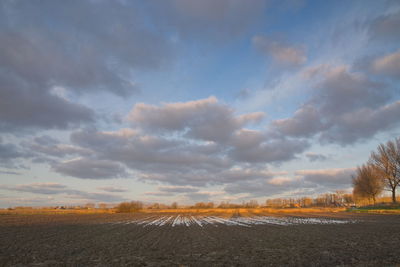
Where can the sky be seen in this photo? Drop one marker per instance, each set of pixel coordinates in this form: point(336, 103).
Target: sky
point(188, 101)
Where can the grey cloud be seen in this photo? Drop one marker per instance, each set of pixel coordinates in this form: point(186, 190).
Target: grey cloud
point(96, 196)
point(49, 146)
point(90, 169)
point(112, 189)
point(38, 188)
point(305, 122)
point(8, 151)
point(263, 188)
point(204, 119)
point(209, 177)
point(159, 194)
point(274, 151)
point(387, 65)
point(82, 46)
point(11, 155)
point(363, 123)
point(345, 107)
point(282, 53)
point(172, 154)
point(24, 105)
point(316, 157)
point(199, 196)
point(341, 91)
point(327, 177)
point(385, 27)
point(151, 153)
point(59, 189)
point(9, 172)
point(178, 189)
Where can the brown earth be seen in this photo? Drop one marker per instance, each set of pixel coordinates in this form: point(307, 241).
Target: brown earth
point(93, 240)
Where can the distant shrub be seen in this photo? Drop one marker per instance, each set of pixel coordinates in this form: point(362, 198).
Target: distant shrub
point(132, 206)
point(203, 205)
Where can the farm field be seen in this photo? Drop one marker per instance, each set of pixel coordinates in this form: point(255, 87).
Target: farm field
point(198, 239)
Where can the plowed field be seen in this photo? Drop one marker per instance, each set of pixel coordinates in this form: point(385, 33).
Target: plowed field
point(145, 239)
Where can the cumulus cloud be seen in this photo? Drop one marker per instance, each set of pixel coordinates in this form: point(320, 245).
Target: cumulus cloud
point(11, 155)
point(388, 65)
point(327, 177)
point(112, 189)
point(204, 119)
point(38, 188)
point(282, 53)
point(90, 169)
point(316, 157)
point(385, 27)
point(263, 188)
point(305, 122)
point(39, 57)
point(178, 189)
point(274, 151)
point(345, 107)
point(48, 146)
point(60, 189)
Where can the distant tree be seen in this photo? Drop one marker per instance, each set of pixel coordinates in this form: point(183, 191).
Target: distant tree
point(174, 205)
point(204, 205)
point(103, 206)
point(132, 206)
point(367, 182)
point(251, 204)
point(348, 199)
point(90, 205)
point(387, 162)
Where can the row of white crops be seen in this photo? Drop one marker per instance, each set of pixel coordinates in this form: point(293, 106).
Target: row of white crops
point(187, 220)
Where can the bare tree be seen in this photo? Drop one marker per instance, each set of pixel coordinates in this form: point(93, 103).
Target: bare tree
point(132, 206)
point(367, 182)
point(387, 161)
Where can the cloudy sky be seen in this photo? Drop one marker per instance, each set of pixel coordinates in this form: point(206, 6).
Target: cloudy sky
point(187, 100)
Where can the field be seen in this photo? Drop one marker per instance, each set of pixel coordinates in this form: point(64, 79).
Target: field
point(234, 238)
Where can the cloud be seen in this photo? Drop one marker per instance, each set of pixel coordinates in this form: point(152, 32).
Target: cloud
point(263, 188)
point(112, 189)
point(385, 27)
point(60, 189)
point(178, 189)
point(90, 169)
point(345, 107)
point(274, 151)
point(316, 157)
point(48, 146)
point(11, 155)
point(95, 51)
point(204, 119)
point(25, 104)
point(38, 188)
point(305, 122)
point(284, 54)
point(388, 65)
point(327, 177)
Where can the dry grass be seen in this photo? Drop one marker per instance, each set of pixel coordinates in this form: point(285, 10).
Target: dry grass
point(27, 211)
point(250, 210)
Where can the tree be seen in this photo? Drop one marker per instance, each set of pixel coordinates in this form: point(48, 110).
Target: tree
point(132, 206)
point(367, 182)
point(387, 162)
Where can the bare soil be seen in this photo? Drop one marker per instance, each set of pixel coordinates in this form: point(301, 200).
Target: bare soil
point(96, 240)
